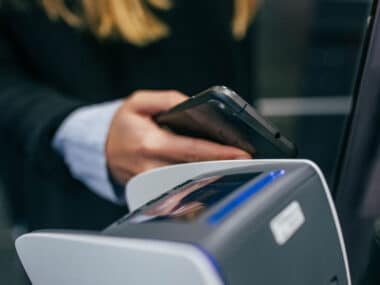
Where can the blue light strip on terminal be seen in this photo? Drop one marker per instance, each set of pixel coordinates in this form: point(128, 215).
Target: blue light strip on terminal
point(244, 196)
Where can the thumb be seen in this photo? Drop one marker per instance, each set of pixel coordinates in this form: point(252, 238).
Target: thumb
point(153, 102)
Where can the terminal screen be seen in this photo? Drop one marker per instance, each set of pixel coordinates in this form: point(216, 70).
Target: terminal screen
point(192, 199)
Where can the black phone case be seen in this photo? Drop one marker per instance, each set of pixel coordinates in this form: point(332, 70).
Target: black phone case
point(220, 115)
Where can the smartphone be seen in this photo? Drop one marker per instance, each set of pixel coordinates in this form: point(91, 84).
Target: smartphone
point(219, 114)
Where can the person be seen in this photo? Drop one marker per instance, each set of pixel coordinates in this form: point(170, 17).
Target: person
point(79, 84)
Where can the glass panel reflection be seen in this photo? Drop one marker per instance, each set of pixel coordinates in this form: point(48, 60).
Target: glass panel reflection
point(306, 63)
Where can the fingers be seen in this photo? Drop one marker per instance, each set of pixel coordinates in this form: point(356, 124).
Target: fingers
point(150, 164)
point(125, 171)
point(186, 149)
point(136, 144)
point(152, 102)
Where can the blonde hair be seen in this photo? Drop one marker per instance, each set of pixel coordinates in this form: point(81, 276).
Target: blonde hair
point(132, 20)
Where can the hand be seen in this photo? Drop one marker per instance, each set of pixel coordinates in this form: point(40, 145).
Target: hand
point(135, 143)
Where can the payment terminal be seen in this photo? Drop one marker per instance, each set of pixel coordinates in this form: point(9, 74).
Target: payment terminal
point(229, 222)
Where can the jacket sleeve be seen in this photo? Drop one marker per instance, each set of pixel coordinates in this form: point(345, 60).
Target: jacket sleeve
point(30, 111)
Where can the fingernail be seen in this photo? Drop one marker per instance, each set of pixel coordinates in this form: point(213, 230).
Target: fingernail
point(242, 157)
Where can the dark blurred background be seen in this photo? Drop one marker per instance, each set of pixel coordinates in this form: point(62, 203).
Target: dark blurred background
point(305, 59)
point(307, 66)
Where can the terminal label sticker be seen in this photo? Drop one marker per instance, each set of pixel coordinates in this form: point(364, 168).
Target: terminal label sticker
point(287, 222)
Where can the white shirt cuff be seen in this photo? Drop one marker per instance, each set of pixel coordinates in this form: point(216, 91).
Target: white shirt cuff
point(81, 140)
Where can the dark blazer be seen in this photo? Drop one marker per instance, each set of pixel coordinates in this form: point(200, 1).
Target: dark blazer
point(48, 69)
